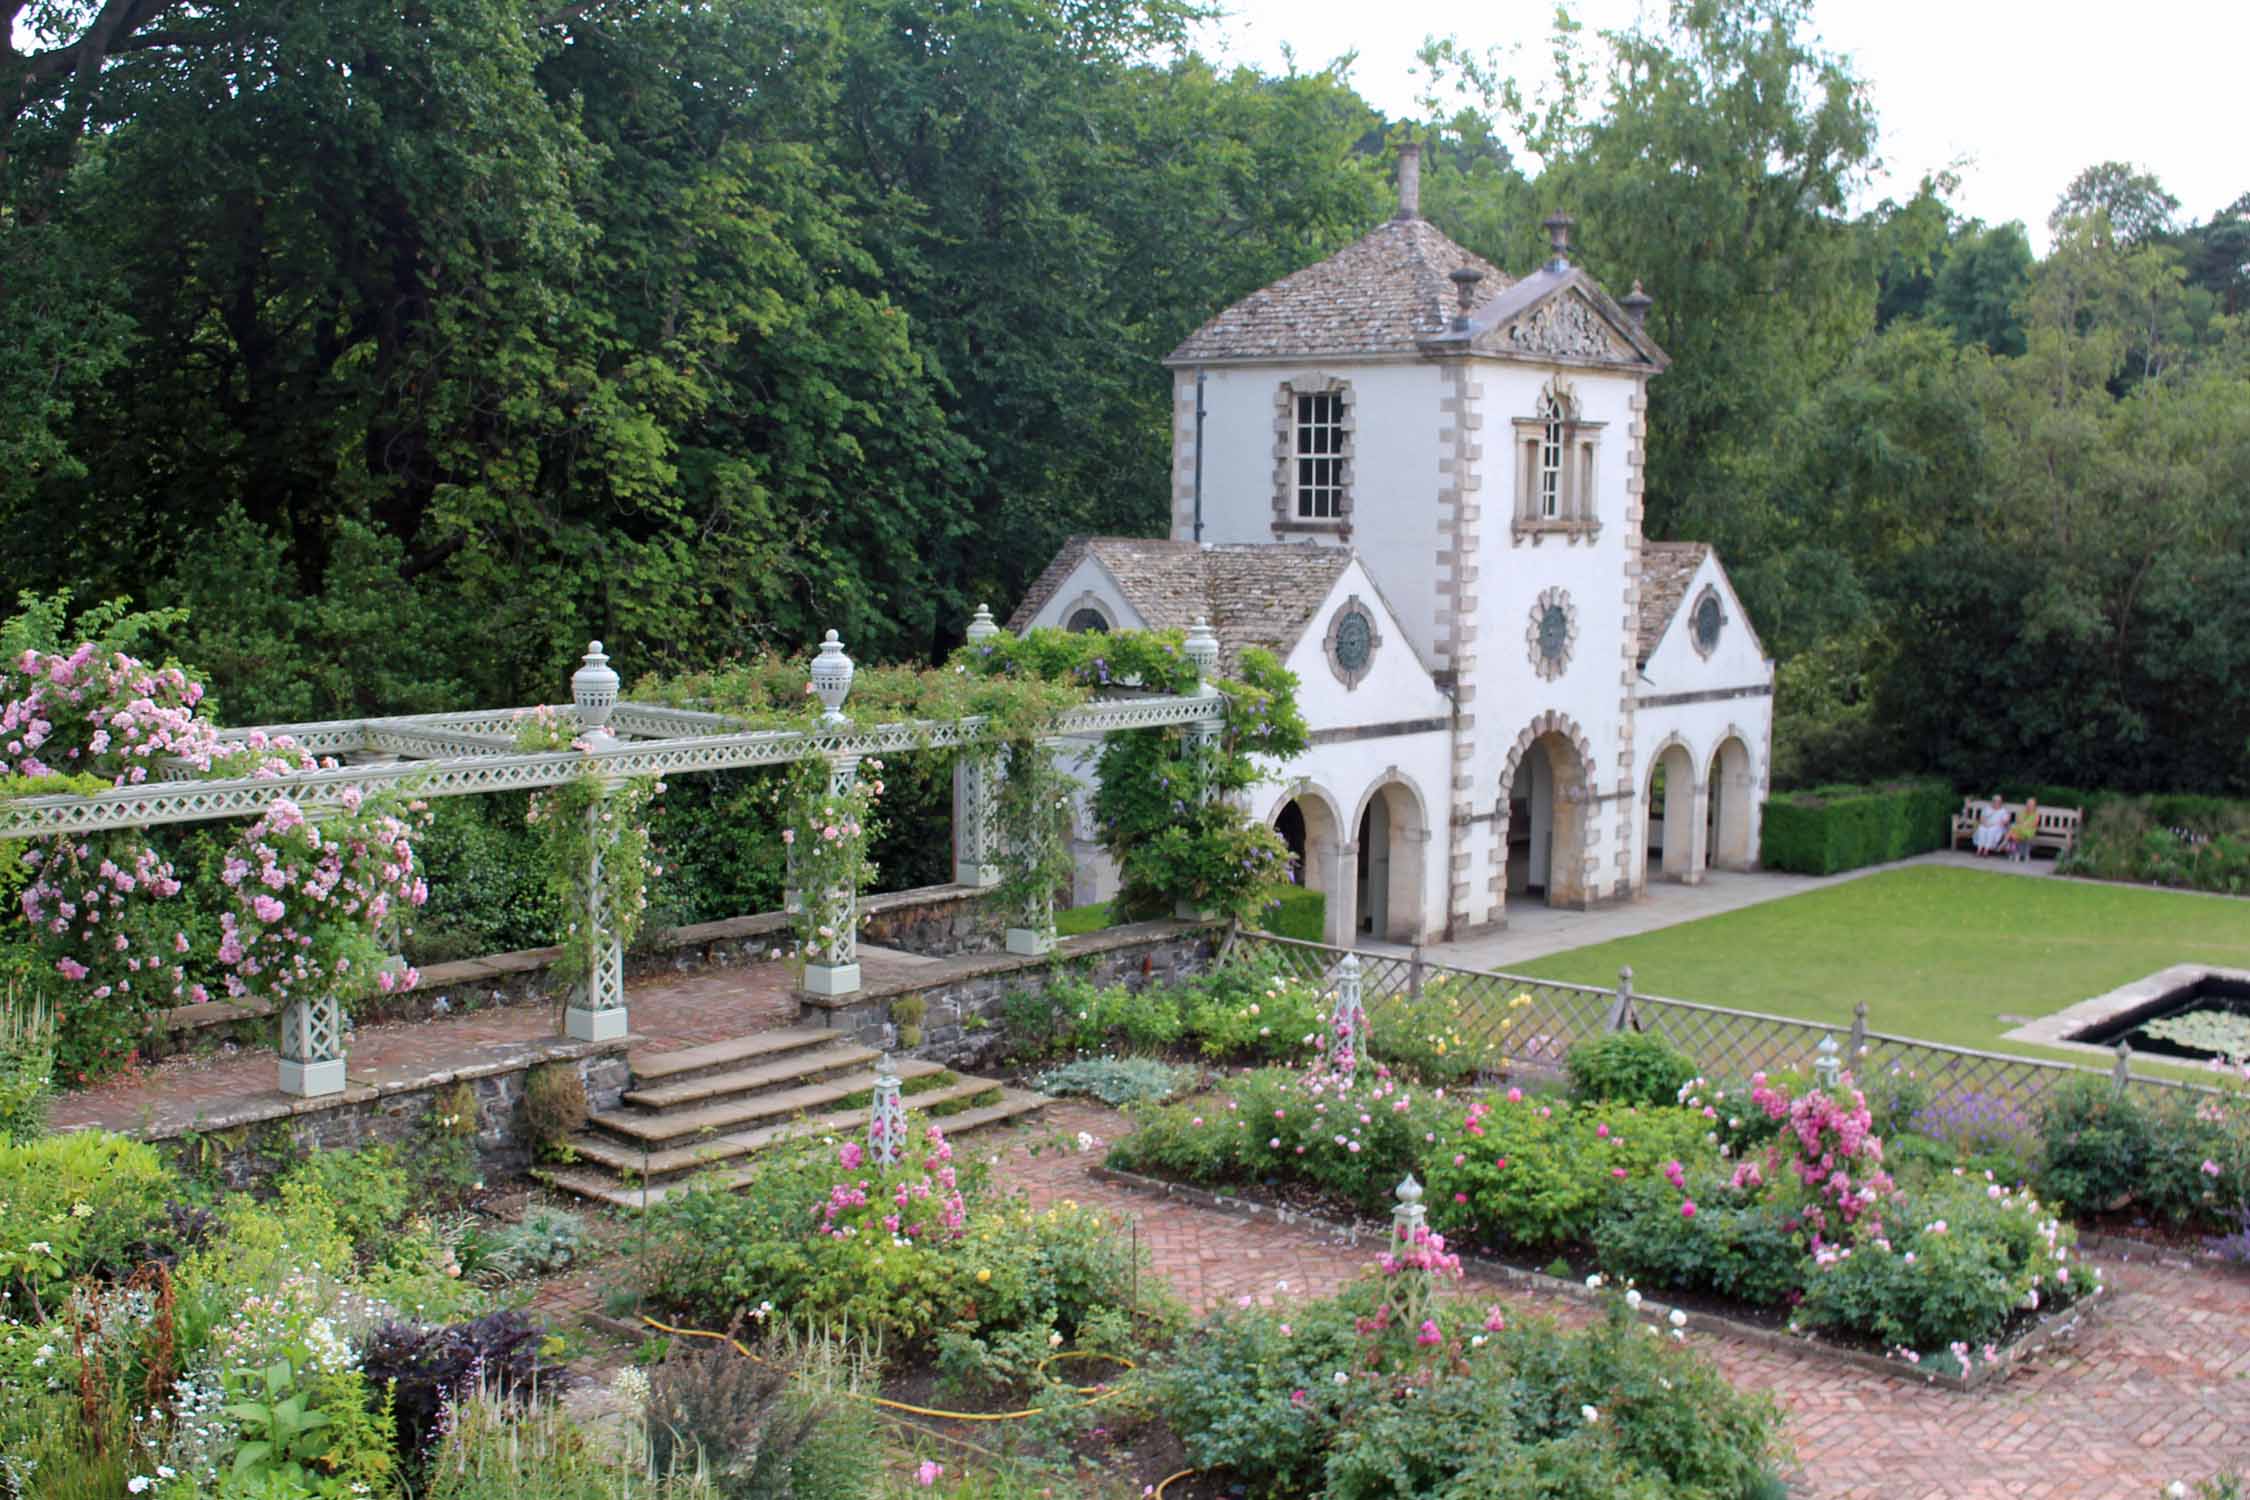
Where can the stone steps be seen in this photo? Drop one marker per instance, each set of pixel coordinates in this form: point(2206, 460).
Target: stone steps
point(623, 1192)
point(710, 1109)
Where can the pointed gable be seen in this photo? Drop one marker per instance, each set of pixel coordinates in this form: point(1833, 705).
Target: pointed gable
point(1667, 568)
point(1557, 313)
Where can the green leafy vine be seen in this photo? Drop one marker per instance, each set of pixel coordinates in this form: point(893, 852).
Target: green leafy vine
point(580, 822)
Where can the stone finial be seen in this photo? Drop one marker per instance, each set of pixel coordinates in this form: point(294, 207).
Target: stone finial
point(1409, 181)
point(1410, 1191)
point(1203, 650)
point(593, 689)
point(1636, 304)
point(982, 627)
point(1464, 293)
point(832, 679)
point(1557, 225)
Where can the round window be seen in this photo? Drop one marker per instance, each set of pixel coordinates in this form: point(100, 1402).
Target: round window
point(1355, 641)
point(1708, 620)
point(1554, 632)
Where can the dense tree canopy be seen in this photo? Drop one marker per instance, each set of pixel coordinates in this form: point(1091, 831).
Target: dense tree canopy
point(404, 348)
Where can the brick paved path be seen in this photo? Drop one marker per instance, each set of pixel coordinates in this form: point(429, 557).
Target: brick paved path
point(2158, 1389)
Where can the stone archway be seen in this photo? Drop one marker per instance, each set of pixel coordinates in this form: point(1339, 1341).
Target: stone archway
point(1677, 849)
point(1545, 839)
point(1390, 862)
point(1733, 793)
point(1309, 824)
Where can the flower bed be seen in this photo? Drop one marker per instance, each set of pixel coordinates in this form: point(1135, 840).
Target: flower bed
point(1784, 1210)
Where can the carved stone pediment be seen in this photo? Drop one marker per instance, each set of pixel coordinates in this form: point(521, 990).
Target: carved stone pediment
point(1564, 327)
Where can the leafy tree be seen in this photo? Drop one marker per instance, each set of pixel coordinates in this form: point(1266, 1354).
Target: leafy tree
point(2135, 203)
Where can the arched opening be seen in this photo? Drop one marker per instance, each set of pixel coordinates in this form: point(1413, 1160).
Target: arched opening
point(1731, 798)
point(1674, 852)
point(1387, 881)
point(1307, 822)
point(1548, 804)
point(1088, 621)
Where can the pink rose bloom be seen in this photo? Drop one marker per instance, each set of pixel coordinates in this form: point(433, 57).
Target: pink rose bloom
point(931, 1471)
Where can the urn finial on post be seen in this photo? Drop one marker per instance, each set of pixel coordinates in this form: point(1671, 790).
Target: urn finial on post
point(982, 627)
point(1203, 650)
point(593, 692)
point(1828, 1062)
point(832, 679)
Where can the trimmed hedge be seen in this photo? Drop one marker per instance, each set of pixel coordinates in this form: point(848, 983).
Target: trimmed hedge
point(1834, 828)
point(1300, 914)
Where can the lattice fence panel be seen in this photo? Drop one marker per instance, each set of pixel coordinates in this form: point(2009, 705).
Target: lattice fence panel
point(1730, 1044)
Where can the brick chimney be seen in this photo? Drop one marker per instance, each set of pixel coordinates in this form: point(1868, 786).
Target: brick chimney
point(1409, 181)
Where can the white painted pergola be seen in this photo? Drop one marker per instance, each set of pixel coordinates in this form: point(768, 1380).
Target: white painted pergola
point(460, 754)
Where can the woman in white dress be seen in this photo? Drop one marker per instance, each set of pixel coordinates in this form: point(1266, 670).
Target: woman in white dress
point(1992, 826)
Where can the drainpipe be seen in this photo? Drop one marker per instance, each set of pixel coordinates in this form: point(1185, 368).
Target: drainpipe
point(1199, 456)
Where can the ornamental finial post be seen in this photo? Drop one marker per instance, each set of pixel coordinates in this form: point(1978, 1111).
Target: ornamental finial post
point(832, 679)
point(593, 691)
point(982, 627)
point(1203, 650)
point(1828, 1062)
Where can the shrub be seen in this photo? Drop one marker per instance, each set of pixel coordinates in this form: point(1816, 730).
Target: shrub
point(27, 1065)
point(2198, 1164)
point(1117, 1081)
point(546, 1241)
point(2093, 1146)
point(1529, 1172)
point(1627, 1067)
point(424, 1368)
point(1734, 1245)
point(1843, 828)
point(1253, 1008)
point(75, 1205)
point(554, 1108)
point(1945, 1270)
point(907, 1012)
point(368, 1190)
point(1297, 913)
point(1496, 1410)
point(1450, 1033)
point(1276, 1125)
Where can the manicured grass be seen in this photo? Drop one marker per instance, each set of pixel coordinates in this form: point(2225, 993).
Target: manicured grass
point(1081, 919)
point(1940, 954)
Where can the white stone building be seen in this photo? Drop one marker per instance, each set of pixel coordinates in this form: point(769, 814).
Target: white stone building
point(1418, 482)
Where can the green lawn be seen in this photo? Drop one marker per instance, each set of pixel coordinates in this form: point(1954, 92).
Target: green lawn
point(1939, 954)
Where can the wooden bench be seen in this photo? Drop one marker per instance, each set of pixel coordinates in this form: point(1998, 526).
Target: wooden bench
point(2057, 829)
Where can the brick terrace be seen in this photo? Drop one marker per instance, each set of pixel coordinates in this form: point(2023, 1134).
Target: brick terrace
point(2158, 1389)
point(668, 1011)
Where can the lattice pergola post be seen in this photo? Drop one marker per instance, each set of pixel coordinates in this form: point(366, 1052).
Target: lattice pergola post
point(975, 819)
point(312, 1047)
point(596, 1012)
point(832, 967)
point(1409, 1293)
point(1202, 649)
point(1036, 935)
point(886, 1120)
point(1347, 1023)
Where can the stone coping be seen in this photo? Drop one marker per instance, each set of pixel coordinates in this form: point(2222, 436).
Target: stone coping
point(366, 1086)
point(931, 973)
point(2057, 1028)
point(2053, 1328)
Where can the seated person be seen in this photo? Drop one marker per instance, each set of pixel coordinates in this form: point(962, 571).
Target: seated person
point(1992, 826)
point(2026, 828)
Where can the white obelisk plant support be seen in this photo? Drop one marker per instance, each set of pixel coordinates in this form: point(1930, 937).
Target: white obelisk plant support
point(1410, 1289)
point(1347, 1023)
point(1828, 1064)
point(596, 1012)
point(312, 1047)
point(886, 1121)
point(832, 968)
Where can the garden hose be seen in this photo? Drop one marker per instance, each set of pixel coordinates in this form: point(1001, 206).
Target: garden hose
point(1164, 1484)
point(1093, 1393)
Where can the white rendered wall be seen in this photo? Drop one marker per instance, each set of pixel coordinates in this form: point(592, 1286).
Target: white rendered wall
point(1504, 690)
point(1394, 468)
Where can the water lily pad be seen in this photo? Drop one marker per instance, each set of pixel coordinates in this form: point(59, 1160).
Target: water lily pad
point(2215, 1031)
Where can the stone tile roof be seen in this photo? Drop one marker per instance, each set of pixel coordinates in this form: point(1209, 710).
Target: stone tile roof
point(1254, 594)
point(1382, 293)
point(1667, 568)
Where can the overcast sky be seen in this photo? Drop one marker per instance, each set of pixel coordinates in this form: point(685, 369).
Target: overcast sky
point(2021, 94)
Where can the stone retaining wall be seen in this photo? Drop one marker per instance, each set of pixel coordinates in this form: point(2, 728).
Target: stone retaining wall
point(963, 996)
point(269, 1132)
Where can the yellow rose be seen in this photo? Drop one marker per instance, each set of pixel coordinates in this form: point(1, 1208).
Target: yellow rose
point(983, 1277)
